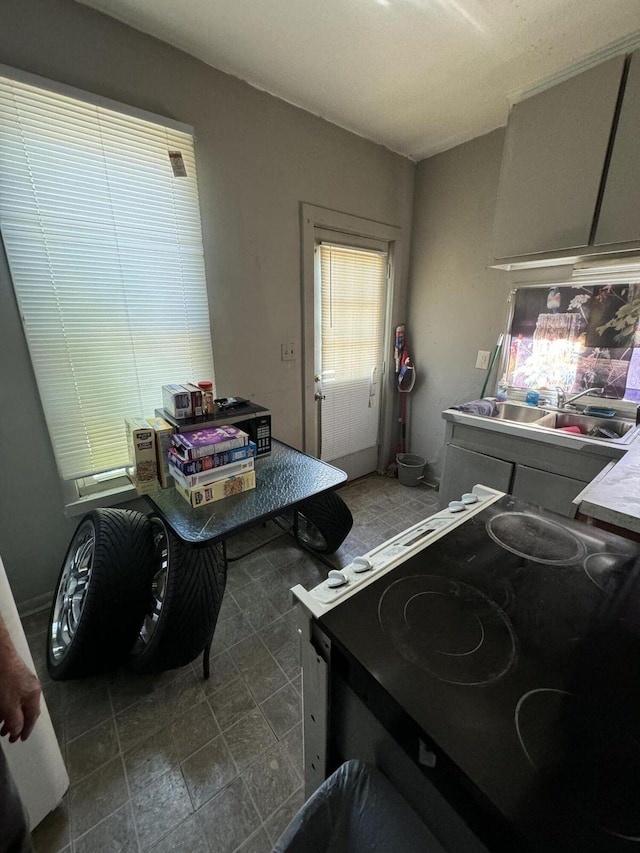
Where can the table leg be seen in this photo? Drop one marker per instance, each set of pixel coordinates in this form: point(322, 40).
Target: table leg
point(207, 648)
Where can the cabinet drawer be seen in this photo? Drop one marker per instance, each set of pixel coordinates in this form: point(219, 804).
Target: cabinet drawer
point(550, 491)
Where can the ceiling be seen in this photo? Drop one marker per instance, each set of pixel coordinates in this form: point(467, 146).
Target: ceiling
point(418, 76)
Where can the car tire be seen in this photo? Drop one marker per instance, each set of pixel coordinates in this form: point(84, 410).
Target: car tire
point(324, 523)
point(183, 602)
point(100, 596)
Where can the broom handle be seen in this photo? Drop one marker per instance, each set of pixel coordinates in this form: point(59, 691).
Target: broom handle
point(496, 350)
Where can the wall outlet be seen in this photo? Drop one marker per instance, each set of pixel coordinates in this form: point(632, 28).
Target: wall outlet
point(482, 362)
point(288, 351)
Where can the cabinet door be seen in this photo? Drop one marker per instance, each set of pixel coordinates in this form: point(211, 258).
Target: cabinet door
point(619, 220)
point(550, 491)
point(554, 155)
point(463, 469)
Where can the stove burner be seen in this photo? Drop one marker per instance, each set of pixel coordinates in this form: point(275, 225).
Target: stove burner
point(583, 756)
point(535, 538)
point(448, 628)
point(537, 717)
point(607, 570)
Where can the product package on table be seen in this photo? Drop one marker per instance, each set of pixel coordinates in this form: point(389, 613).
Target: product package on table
point(215, 460)
point(211, 475)
point(229, 486)
point(141, 440)
point(204, 442)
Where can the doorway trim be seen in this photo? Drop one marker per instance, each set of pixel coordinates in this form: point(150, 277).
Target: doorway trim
point(312, 220)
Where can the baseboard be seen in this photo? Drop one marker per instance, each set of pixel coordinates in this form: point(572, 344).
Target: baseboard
point(433, 482)
point(35, 604)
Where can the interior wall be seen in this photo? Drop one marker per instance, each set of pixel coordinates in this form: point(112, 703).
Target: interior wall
point(457, 304)
point(258, 159)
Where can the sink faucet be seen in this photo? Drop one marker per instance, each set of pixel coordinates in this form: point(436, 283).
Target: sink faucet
point(563, 401)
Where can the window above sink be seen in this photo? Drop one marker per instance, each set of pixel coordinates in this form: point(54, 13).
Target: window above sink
point(574, 336)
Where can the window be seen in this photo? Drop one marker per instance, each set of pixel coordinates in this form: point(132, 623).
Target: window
point(100, 221)
point(350, 341)
point(577, 336)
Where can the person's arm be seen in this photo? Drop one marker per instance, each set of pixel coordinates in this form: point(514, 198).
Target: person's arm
point(19, 692)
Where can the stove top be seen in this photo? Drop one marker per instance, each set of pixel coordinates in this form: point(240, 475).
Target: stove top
point(513, 643)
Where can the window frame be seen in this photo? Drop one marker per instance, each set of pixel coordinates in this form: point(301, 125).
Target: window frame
point(626, 408)
point(111, 487)
point(338, 227)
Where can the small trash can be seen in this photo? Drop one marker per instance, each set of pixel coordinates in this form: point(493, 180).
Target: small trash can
point(410, 468)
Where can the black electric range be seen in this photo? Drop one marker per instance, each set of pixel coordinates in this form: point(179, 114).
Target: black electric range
point(512, 646)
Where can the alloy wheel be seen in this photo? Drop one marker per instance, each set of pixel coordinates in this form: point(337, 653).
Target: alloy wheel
point(72, 590)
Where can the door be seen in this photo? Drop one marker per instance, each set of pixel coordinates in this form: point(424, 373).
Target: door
point(351, 293)
point(619, 220)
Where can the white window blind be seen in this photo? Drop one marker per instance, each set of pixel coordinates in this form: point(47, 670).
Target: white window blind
point(352, 311)
point(105, 251)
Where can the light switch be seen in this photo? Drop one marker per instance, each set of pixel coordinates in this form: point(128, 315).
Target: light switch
point(482, 362)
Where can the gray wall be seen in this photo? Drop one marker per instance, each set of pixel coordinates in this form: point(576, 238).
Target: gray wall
point(457, 305)
point(258, 158)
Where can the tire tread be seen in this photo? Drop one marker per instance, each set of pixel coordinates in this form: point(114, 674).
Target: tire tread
point(114, 603)
point(194, 589)
point(332, 517)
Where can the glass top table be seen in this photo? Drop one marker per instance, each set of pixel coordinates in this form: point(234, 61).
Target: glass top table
point(284, 479)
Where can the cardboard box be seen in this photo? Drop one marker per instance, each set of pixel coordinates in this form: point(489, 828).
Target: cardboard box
point(197, 399)
point(141, 441)
point(177, 401)
point(163, 432)
point(202, 495)
point(203, 478)
point(216, 460)
point(205, 442)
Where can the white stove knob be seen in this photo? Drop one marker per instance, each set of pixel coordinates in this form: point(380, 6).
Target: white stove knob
point(336, 579)
point(469, 498)
point(361, 564)
point(456, 506)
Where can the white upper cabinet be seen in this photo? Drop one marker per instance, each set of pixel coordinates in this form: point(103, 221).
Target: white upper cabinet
point(619, 220)
point(554, 158)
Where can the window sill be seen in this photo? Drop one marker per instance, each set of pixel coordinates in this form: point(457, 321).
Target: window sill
point(109, 497)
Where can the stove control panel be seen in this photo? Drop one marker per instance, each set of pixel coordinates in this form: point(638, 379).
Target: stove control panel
point(345, 582)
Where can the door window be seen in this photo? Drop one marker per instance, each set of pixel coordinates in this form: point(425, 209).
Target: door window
point(350, 324)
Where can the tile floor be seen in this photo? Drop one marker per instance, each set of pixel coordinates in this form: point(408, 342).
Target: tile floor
point(176, 763)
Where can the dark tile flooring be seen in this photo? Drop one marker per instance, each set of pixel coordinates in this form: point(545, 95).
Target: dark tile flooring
point(176, 763)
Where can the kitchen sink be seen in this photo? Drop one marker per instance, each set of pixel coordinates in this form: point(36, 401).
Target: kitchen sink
point(519, 413)
point(599, 428)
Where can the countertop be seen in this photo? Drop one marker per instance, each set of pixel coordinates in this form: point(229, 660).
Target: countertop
point(614, 495)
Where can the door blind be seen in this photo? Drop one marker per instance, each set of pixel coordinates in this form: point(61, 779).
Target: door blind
point(100, 221)
point(353, 297)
